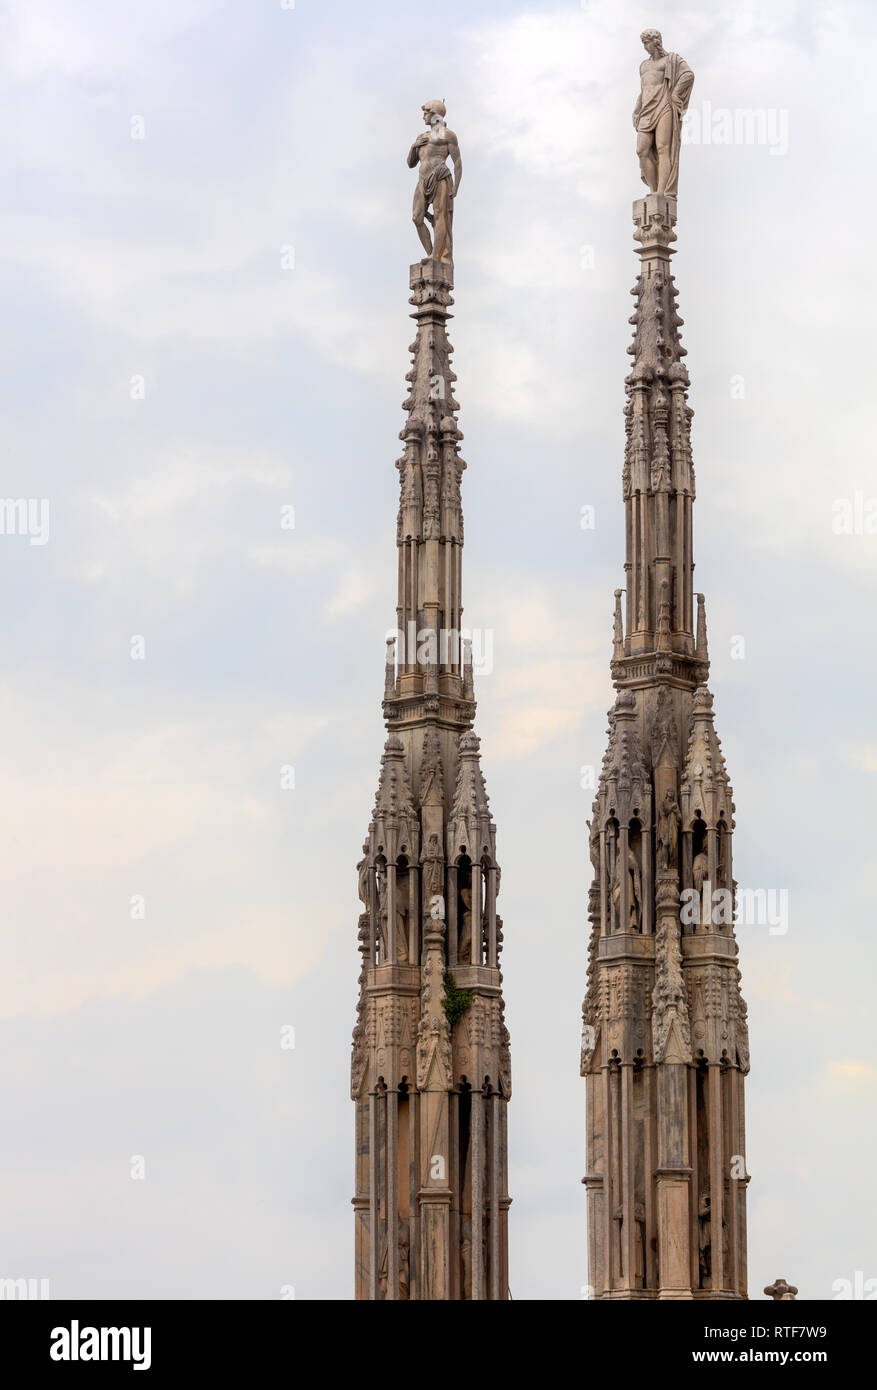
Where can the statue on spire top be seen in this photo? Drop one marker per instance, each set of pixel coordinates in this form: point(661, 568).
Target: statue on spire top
point(436, 187)
point(666, 83)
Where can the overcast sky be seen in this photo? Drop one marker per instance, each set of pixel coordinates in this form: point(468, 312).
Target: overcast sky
point(169, 382)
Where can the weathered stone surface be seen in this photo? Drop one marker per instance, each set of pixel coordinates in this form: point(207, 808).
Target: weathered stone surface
point(781, 1291)
point(436, 186)
point(664, 1042)
point(666, 81)
point(430, 1071)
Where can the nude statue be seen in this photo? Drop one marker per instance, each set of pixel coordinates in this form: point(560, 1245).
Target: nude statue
point(666, 83)
point(435, 188)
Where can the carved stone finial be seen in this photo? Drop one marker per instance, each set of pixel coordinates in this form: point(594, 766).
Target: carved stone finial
point(703, 700)
point(701, 650)
point(436, 186)
point(390, 669)
point(469, 823)
point(663, 636)
point(618, 629)
point(779, 1290)
point(468, 680)
point(666, 81)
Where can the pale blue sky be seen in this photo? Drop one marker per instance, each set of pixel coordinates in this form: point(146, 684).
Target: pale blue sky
point(161, 258)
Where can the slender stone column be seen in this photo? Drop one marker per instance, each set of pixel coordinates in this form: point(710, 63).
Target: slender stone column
point(391, 912)
point(693, 1230)
point(413, 1209)
point(606, 1082)
point(648, 881)
point(730, 1088)
point(453, 929)
point(491, 918)
point(604, 897)
point(435, 1199)
point(477, 908)
point(716, 1176)
point(624, 876)
point(392, 1193)
point(671, 1036)
point(627, 1180)
point(373, 1220)
point(477, 1195)
point(495, 1105)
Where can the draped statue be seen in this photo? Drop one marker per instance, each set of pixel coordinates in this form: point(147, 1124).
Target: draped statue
point(666, 82)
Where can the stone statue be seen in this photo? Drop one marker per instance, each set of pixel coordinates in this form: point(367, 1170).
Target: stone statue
point(433, 870)
point(403, 888)
point(362, 871)
point(634, 893)
point(435, 189)
point(401, 917)
point(464, 945)
point(381, 885)
point(594, 850)
point(700, 870)
point(431, 788)
point(669, 821)
point(657, 117)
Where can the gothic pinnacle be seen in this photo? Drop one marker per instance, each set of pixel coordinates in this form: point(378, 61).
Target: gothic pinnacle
point(430, 1072)
point(664, 1038)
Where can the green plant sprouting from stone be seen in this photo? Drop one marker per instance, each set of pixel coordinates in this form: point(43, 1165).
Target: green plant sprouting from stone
point(456, 1001)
